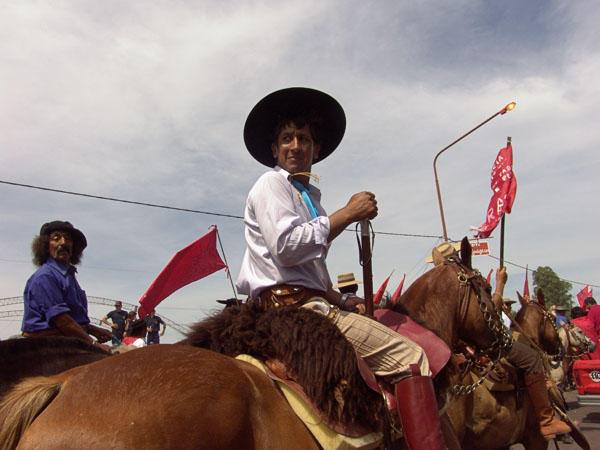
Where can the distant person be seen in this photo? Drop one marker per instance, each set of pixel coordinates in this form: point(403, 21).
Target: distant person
point(560, 313)
point(118, 317)
point(579, 318)
point(131, 318)
point(529, 363)
point(135, 330)
point(152, 326)
point(593, 313)
point(347, 285)
point(55, 304)
point(507, 302)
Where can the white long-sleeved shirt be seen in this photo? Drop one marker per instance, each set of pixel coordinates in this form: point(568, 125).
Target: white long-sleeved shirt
point(285, 245)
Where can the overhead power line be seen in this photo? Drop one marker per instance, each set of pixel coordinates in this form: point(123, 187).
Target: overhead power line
point(527, 269)
point(173, 208)
point(131, 202)
point(232, 216)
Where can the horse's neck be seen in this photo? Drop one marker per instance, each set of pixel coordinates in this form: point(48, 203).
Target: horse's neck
point(428, 303)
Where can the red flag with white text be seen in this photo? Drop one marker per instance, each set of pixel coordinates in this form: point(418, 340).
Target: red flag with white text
point(398, 292)
point(586, 292)
point(195, 261)
point(379, 294)
point(504, 186)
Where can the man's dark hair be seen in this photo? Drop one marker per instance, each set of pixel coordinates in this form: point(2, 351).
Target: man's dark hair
point(350, 289)
point(300, 120)
point(577, 312)
point(40, 250)
point(589, 301)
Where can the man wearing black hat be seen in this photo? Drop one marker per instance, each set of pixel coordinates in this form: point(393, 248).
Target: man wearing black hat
point(288, 235)
point(55, 304)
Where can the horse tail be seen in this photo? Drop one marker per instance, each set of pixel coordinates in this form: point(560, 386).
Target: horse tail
point(23, 404)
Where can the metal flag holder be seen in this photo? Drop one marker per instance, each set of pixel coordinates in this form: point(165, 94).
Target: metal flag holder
point(504, 110)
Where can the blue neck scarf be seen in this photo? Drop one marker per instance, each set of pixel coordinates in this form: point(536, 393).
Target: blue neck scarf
point(309, 203)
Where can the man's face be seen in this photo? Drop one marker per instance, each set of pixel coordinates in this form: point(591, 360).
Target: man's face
point(295, 150)
point(118, 306)
point(61, 247)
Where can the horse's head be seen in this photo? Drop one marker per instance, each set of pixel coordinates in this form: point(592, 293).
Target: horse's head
point(454, 300)
point(576, 340)
point(539, 324)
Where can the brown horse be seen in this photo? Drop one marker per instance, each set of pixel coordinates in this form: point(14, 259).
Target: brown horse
point(162, 397)
point(453, 300)
point(200, 399)
point(472, 326)
point(227, 403)
point(496, 416)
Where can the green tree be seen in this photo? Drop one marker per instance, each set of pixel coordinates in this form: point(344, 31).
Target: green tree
point(556, 291)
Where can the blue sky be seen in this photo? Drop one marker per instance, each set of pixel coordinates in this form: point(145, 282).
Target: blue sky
point(147, 102)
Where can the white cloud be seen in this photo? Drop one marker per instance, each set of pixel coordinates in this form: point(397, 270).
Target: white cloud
point(147, 103)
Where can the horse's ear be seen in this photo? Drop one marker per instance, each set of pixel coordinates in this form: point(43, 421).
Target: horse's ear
point(522, 301)
point(437, 257)
point(465, 252)
point(540, 297)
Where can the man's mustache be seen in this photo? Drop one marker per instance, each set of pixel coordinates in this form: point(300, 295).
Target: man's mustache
point(62, 248)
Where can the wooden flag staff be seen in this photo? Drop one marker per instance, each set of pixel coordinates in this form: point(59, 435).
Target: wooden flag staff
point(226, 263)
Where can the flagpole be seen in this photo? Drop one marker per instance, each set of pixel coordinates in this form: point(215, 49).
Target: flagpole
point(508, 142)
point(508, 107)
point(226, 263)
point(365, 257)
point(502, 241)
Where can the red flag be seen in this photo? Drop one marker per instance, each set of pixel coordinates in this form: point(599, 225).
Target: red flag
point(398, 292)
point(195, 261)
point(504, 185)
point(526, 286)
point(489, 277)
point(380, 291)
point(582, 295)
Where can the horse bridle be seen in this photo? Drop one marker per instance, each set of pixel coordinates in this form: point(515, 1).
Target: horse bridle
point(503, 340)
point(467, 279)
point(587, 341)
point(548, 317)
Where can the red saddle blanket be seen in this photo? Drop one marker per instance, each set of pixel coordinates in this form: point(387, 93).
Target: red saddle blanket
point(438, 353)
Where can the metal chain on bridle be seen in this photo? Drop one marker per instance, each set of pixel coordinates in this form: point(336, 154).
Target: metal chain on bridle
point(550, 318)
point(503, 339)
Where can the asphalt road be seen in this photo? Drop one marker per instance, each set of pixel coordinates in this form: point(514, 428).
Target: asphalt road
point(589, 418)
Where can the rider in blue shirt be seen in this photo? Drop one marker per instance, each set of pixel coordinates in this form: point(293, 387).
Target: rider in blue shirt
point(561, 319)
point(55, 304)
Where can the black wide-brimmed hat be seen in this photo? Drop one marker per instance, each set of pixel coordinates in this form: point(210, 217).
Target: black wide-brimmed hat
point(289, 103)
point(58, 225)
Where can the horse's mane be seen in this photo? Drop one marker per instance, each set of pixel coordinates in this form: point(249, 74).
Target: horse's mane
point(313, 349)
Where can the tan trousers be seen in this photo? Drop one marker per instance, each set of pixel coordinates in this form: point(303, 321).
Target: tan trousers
point(387, 353)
